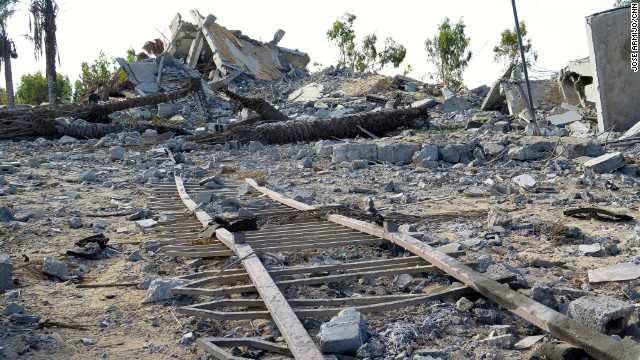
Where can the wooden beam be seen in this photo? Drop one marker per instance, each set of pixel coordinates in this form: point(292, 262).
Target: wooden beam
point(298, 339)
point(596, 344)
point(279, 198)
point(251, 343)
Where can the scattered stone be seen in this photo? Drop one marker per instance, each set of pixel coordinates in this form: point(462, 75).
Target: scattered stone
point(525, 181)
point(13, 308)
point(55, 267)
point(544, 294)
point(117, 152)
point(591, 250)
point(345, 333)
point(255, 146)
point(67, 140)
point(75, 222)
point(606, 163)
point(450, 154)
point(135, 256)
point(604, 314)
point(6, 272)
point(161, 289)
point(305, 163)
point(305, 196)
point(350, 152)
point(398, 153)
point(6, 215)
point(187, 338)
point(464, 304)
point(88, 176)
point(88, 341)
point(146, 224)
point(372, 349)
point(402, 280)
point(498, 218)
point(502, 341)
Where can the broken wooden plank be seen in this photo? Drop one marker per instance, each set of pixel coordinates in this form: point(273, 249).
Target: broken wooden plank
point(279, 198)
point(299, 341)
point(596, 344)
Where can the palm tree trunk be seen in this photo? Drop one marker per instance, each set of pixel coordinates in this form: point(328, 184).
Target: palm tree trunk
point(8, 75)
point(51, 49)
point(311, 130)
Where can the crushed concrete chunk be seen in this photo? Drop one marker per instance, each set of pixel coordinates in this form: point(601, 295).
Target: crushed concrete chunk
point(345, 333)
point(606, 163)
point(605, 314)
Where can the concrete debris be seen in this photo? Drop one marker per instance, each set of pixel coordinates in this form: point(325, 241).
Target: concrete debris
point(345, 333)
point(160, 289)
point(525, 181)
point(565, 118)
point(618, 272)
point(55, 268)
point(605, 314)
point(606, 163)
point(205, 41)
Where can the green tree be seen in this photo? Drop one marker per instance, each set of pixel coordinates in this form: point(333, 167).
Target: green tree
point(7, 49)
point(93, 75)
point(34, 88)
point(508, 52)
point(43, 26)
point(448, 52)
point(341, 33)
point(367, 57)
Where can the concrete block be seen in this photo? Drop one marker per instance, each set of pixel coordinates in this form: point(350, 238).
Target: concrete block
point(399, 153)
point(350, 152)
point(55, 267)
point(605, 314)
point(167, 110)
point(609, 41)
point(565, 118)
point(606, 163)
point(324, 148)
point(428, 153)
point(6, 272)
point(345, 333)
point(525, 181)
point(455, 104)
point(161, 289)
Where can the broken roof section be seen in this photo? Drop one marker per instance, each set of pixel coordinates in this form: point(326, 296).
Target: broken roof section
point(206, 42)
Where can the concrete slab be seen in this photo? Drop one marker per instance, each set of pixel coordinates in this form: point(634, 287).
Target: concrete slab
point(618, 272)
point(565, 118)
point(609, 42)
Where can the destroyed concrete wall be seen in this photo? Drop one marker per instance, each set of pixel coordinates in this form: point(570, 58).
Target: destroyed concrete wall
point(207, 41)
point(609, 41)
point(576, 83)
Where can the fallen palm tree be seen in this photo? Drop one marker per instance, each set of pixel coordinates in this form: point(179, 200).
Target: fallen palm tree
point(317, 129)
point(265, 110)
point(42, 121)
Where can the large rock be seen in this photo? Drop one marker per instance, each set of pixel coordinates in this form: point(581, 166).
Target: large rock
point(605, 314)
point(350, 152)
point(345, 333)
point(397, 154)
point(450, 154)
point(117, 152)
point(6, 272)
point(606, 163)
point(55, 267)
point(161, 289)
point(6, 215)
